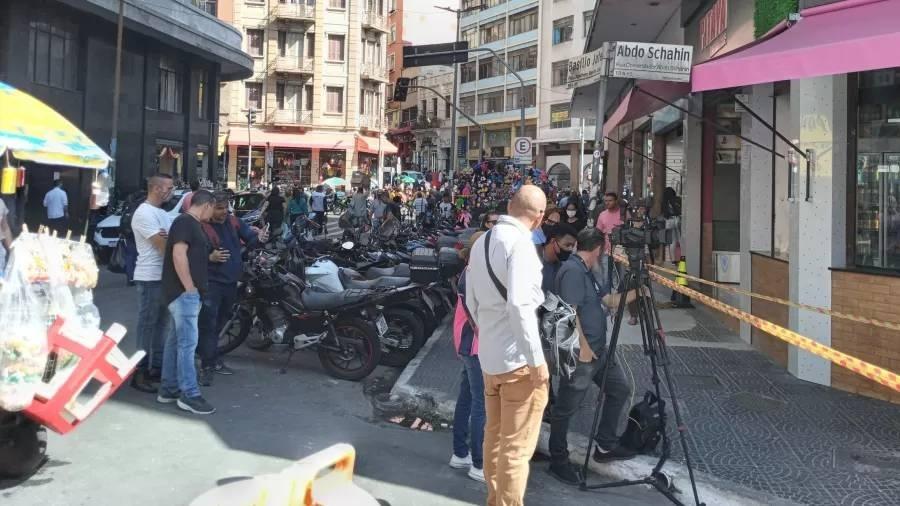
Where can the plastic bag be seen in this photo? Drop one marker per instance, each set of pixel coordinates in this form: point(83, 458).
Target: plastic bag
point(23, 344)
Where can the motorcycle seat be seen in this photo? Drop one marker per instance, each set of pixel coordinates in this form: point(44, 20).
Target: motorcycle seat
point(399, 270)
point(318, 300)
point(352, 280)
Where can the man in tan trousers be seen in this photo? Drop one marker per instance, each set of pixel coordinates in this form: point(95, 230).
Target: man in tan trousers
point(503, 292)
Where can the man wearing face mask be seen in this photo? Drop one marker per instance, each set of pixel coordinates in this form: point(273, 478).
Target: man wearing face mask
point(577, 286)
point(560, 244)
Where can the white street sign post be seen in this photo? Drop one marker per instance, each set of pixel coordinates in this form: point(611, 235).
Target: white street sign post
point(587, 68)
point(522, 150)
point(660, 62)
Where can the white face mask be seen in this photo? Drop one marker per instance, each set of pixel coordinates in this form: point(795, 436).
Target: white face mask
point(571, 213)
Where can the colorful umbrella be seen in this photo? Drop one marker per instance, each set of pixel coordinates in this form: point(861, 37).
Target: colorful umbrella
point(334, 182)
point(407, 179)
point(33, 131)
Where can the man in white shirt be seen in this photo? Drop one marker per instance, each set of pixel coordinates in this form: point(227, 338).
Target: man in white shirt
point(57, 203)
point(515, 374)
point(150, 225)
point(317, 204)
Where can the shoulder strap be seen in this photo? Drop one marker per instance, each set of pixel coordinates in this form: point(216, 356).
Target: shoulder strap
point(487, 261)
point(211, 234)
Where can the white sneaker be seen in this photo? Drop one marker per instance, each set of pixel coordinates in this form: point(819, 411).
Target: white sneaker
point(476, 474)
point(460, 463)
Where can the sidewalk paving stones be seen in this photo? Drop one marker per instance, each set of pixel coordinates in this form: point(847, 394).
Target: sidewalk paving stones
point(749, 421)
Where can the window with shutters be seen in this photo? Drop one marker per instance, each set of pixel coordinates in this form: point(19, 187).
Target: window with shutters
point(493, 32)
point(559, 72)
point(563, 29)
point(522, 59)
point(170, 84)
point(490, 102)
point(523, 22)
point(336, 48)
point(254, 42)
point(334, 97)
point(253, 95)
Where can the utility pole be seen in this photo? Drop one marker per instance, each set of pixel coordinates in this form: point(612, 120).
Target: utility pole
point(251, 118)
point(117, 85)
point(453, 142)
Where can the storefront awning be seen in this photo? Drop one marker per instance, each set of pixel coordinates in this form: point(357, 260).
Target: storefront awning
point(637, 104)
point(259, 138)
point(367, 144)
point(839, 38)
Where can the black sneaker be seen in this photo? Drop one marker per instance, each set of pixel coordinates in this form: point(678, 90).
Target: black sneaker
point(196, 405)
point(140, 381)
point(567, 473)
point(166, 397)
point(205, 376)
point(618, 452)
point(223, 369)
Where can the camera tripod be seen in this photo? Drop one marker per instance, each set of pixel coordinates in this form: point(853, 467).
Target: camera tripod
point(637, 277)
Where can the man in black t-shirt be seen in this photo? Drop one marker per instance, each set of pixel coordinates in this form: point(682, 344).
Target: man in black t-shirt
point(184, 282)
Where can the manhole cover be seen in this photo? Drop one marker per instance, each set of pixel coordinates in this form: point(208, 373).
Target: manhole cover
point(696, 381)
point(757, 403)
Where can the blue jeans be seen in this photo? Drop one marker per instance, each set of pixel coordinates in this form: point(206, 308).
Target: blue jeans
point(218, 305)
point(468, 419)
point(178, 370)
point(152, 321)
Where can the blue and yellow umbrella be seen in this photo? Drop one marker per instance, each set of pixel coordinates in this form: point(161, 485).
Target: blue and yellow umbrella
point(33, 131)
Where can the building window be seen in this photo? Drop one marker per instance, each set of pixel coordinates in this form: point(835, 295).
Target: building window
point(588, 17)
point(53, 58)
point(282, 43)
point(255, 42)
point(467, 72)
point(253, 96)
point(169, 85)
point(434, 107)
point(334, 96)
point(489, 67)
point(467, 104)
point(523, 22)
point(490, 102)
point(310, 45)
point(512, 97)
point(877, 170)
point(393, 35)
point(337, 4)
point(336, 48)
point(522, 59)
point(308, 97)
point(493, 32)
point(201, 94)
point(559, 116)
point(208, 6)
point(471, 36)
point(448, 109)
point(559, 72)
point(562, 29)
point(425, 108)
point(491, 3)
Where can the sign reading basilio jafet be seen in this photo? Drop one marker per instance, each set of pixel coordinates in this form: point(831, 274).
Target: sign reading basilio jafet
point(660, 62)
point(586, 69)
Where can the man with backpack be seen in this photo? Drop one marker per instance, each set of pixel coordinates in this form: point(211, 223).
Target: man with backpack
point(577, 286)
point(225, 234)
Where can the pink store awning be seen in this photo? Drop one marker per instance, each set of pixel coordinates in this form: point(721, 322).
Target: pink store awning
point(637, 104)
point(259, 138)
point(838, 38)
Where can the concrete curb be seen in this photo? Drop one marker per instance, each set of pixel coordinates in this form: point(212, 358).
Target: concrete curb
point(419, 399)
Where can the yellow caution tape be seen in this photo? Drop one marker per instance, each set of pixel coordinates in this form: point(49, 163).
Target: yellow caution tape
point(816, 309)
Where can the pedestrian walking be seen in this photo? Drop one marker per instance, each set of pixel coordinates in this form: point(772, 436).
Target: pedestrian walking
point(379, 206)
point(420, 206)
point(298, 205)
point(273, 212)
point(359, 207)
point(468, 417)
point(574, 216)
point(576, 285)
point(225, 233)
point(503, 294)
point(185, 282)
point(150, 225)
point(57, 203)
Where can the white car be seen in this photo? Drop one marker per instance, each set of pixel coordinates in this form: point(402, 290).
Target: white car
point(106, 234)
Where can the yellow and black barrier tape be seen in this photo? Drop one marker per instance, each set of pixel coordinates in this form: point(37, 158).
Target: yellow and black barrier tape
point(861, 367)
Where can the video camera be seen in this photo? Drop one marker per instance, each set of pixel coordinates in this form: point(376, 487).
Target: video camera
point(639, 230)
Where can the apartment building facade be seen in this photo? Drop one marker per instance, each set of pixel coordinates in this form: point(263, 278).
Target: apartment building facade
point(318, 88)
point(487, 91)
point(563, 26)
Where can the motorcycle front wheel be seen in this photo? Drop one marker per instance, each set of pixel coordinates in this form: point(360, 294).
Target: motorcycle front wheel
point(404, 328)
point(353, 353)
point(240, 329)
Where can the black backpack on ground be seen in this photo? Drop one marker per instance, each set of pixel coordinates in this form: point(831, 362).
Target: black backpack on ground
point(644, 429)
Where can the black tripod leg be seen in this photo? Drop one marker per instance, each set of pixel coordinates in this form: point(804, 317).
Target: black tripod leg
point(670, 385)
point(601, 398)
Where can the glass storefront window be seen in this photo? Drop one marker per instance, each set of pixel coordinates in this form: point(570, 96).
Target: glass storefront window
point(252, 178)
point(332, 164)
point(292, 166)
point(878, 170)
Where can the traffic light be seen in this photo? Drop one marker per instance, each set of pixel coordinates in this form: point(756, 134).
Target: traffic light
point(251, 116)
point(401, 89)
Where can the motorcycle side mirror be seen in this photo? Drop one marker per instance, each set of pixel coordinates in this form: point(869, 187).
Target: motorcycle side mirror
point(347, 245)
